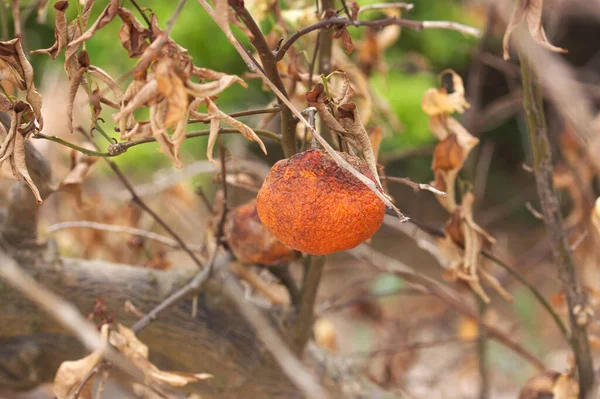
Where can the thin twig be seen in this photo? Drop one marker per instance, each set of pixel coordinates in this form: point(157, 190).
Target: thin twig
point(446, 294)
point(482, 356)
point(120, 229)
point(273, 342)
point(377, 24)
point(542, 165)
point(411, 346)
point(83, 150)
point(258, 111)
point(121, 147)
point(140, 202)
point(269, 63)
point(536, 293)
point(415, 186)
point(386, 6)
point(193, 285)
point(142, 13)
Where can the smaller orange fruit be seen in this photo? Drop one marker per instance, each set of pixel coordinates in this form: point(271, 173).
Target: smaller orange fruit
point(250, 241)
point(312, 205)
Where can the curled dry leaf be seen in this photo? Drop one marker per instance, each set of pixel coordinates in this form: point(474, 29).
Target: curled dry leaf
point(448, 99)
point(529, 11)
point(104, 18)
point(80, 167)
point(133, 35)
point(5, 104)
point(216, 116)
point(552, 385)
point(71, 374)
point(463, 244)
point(13, 146)
point(15, 68)
point(60, 31)
point(464, 239)
point(341, 116)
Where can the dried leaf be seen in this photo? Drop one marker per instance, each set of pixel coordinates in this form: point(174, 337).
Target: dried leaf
point(448, 99)
point(213, 88)
point(15, 67)
point(104, 18)
point(127, 343)
point(80, 167)
point(133, 34)
point(60, 31)
point(529, 11)
point(5, 104)
point(171, 87)
point(70, 374)
point(217, 115)
point(19, 159)
point(344, 36)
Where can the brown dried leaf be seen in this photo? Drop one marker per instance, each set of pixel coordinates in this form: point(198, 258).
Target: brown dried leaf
point(344, 36)
point(213, 88)
point(76, 81)
point(357, 136)
point(137, 352)
point(171, 87)
point(462, 246)
point(19, 159)
point(5, 104)
point(448, 99)
point(216, 116)
point(104, 18)
point(60, 31)
point(15, 67)
point(108, 80)
point(376, 138)
point(529, 11)
point(80, 167)
point(133, 34)
point(70, 374)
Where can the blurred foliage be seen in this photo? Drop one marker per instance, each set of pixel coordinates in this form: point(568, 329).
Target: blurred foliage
point(414, 62)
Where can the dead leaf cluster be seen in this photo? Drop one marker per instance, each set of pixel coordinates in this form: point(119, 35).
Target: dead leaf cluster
point(164, 81)
point(26, 116)
point(340, 114)
point(79, 375)
point(464, 239)
point(529, 11)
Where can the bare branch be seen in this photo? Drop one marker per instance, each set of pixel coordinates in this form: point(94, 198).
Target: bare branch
point(377, 24)
point(386, 6)
point(280, 351)
point(415, 186)
point(120, 229)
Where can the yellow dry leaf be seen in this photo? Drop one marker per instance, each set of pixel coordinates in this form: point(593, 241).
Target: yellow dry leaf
point(70, 374)
point(448, 99)
point(529, 11)
point(325, 335)
point(468, 329)
point(171, 87)
point(126, 342)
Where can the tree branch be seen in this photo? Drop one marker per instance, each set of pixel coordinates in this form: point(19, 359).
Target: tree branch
point(542, 165)
point(269, 63)
point(376, 24)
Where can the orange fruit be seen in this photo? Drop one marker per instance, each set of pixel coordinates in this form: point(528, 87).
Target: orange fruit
point(312, 205)
point(250, 241)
